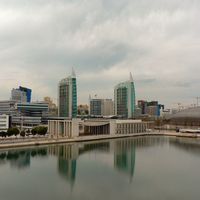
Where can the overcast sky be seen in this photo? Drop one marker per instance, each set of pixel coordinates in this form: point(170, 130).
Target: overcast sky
point(157, 40)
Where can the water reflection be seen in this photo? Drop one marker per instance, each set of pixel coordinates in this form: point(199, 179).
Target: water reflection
point(121, 155)
point(21, 158)
point(121, 151)
point(191, 146)
point(124, 156)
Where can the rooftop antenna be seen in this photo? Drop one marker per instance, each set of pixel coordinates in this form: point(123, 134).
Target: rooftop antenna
point(73, 72)
point(90, 97)
point(131, 77)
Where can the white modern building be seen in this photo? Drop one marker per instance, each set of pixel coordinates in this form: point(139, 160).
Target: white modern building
point(63, 128)
point(67, 128)
point(4, 123)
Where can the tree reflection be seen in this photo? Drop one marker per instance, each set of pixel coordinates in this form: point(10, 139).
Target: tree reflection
point(21, 158)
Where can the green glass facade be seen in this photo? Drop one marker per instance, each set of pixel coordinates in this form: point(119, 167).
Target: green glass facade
point(74, 98)
point(125, 99)
point(68, 98)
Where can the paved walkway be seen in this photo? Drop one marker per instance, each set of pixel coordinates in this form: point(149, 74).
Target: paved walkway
point(45, 141)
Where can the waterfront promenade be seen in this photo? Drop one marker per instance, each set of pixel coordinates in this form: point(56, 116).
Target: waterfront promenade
point(23, 142)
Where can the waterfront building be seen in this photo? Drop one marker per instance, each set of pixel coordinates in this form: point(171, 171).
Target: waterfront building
point(63, 128)
point(21, 94)
point(101, 107)
point(107, 107)
point(26, 122)
point(4, 122)
point(34, 109)
point(124, 98)
point(70, 128)
point(96, 107)
point(7, 107)
point(183, 119)
point(152, 108)
point(67, 97)
point(25, 114)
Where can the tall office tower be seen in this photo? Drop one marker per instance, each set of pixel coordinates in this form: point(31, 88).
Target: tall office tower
point(21, 94)
point(124, 98)
point(67, 97)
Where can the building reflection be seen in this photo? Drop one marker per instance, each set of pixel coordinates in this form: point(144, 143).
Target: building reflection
point(67, 158)
point(21, 159)
point(122, 152)
point(124, 157)
point(120, 155)
point(186, 144)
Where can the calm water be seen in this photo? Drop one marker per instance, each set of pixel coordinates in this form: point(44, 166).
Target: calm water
point(152, 168)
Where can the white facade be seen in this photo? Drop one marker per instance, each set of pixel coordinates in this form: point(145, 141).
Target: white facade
point(67, 128)
point(4, 122)
point(63, 128)
point(107, 107)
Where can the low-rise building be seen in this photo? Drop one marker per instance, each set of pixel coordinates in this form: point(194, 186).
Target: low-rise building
point(67, 128)
point(4, 122)
point(101, 107)
point(25, 122)
point(152, 108)
point(25, 114)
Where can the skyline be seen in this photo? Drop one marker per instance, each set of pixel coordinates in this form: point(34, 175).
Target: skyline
point(158, 43)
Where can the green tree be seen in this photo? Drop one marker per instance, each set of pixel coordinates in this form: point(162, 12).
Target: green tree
point(40, 130)
point(22, 134)
point(34, 131)
point(13, 131)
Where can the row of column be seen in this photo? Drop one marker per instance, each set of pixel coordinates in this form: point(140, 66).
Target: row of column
point(131, 128)
point(98, 130)
point(59, 129)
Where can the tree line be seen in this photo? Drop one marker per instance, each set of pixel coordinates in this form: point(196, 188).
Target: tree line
point(14, 131)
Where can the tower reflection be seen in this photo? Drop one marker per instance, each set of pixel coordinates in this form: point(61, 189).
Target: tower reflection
point(124, 156)
point(122, 152)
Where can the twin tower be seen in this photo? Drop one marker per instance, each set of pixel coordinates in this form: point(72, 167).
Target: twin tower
point(124, 98)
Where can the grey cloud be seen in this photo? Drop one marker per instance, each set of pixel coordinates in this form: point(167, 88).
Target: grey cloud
point(42, 40)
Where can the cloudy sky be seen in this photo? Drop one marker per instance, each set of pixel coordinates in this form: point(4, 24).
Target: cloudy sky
point(157, 40)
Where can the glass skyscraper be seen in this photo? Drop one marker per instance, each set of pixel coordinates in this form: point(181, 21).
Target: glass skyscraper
point(124, 101)
point(67, 97)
